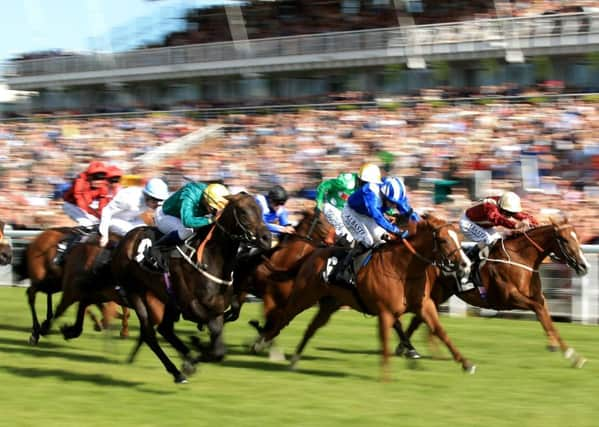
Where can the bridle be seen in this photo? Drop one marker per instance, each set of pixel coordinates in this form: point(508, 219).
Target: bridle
point(564, 254)
point(442, 261)
point(246, 236)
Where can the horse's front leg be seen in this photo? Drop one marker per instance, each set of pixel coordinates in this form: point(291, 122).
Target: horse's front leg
point(35, 328)
point(217, 349)
point(405, 347)
point(386, 320)
point(430, 315)
point(73, 331)
point(47, 324)
point(167, 330)
point(232, 314)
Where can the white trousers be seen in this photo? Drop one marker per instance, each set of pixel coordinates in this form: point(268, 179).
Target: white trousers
point(363, 228)
point(478, 234)
point(79, 215)
point(167, 223)
point(120, 227)
point(334, 216)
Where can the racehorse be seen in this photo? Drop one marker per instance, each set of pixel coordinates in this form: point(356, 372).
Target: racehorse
point(199, 286)
point(511, 280)
point(398, 278)
point(38, 264)
point(5, 247)
point(257, 274)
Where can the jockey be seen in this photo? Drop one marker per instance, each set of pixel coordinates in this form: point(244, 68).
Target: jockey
point(332, 194)
point(364, 217)
point(195, 205)
point(273, 211)
point(88, 195)
point(478, 222)
point(113, 176)
point(125, 210)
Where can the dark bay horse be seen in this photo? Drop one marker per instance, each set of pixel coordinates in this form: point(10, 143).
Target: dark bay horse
point(258, 274)
point(510, 277)
point(199, 286)
point(397, 279)
point(5, 247)
point(38, 264)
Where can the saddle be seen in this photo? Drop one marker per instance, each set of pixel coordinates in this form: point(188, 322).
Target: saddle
point(345, 275)
point(473, 280)
point(156, 259)
point(78, 234)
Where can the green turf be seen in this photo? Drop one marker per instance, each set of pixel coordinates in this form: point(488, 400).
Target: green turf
point(85, 382)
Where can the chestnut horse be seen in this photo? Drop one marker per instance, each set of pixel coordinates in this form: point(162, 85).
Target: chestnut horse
point(199, 286)
point(510, 276)
point(38, 264)
point(5, 247)
point(397, 279)
point(257, 274)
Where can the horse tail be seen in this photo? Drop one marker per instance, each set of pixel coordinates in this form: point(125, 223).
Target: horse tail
point(19, 268)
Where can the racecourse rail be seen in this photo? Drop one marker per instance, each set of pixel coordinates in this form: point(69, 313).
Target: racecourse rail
point(569, 297)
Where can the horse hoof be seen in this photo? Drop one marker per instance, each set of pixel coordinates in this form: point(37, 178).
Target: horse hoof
point(276, 355)
point(470, 369)
point(579, 362)
point(180, 379)
point(293, 363)
point(413, 354)
point(97, 328)
point(124, 334)
point(33, 340)
point(552, 348)
point(45, 328)
point(188, 368)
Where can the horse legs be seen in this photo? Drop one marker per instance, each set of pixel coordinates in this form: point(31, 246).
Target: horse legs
point(148, 335)
point(125, 322)
point(386, 320)
point(46, 324)
point(430, 315)
point(326, 307)
point(405, 347)
point(73, 331)
point(167, 330)
point(232, 314)
point(35, 329)
point(542, 313)
point(98, 326)
point(217, 344)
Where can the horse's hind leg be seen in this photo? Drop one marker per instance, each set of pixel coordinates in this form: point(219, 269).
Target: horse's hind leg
point(217, 344)
point(327, 306)
point(148, 335)
point(386, 320)
point(125, 322)
point(98, 326)
point(47, 324)
point(405, 347)
point(431, 317)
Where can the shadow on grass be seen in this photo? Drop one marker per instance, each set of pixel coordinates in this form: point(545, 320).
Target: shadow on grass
point(348, 351)
point(99, 379)
point(24, 342)
point(15, 328)
point(46, 352)
point(278, 367)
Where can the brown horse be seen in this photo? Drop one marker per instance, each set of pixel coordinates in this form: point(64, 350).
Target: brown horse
point(38, 264)
point(397, 279)
point(199, 286)
point(257, 274)
point(5, 247)
point(510, 276)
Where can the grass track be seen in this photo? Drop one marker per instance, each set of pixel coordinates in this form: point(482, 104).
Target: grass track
point(86, 382)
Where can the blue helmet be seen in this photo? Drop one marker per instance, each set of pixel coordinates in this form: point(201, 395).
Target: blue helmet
point(393, 189)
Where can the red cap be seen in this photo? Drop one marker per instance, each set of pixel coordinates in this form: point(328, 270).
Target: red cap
point(113, 172)
point(96, 167)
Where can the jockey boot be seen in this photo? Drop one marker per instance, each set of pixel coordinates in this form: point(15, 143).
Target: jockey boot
point(344, 271)
point(157, 254)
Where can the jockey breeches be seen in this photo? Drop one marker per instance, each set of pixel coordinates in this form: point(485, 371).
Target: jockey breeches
point(476, 233)
point(363, 228)
point(167, 223)
point(333, 215)
point(79, 215)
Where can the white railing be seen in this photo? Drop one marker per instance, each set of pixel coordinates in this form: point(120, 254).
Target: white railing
point(493, 33)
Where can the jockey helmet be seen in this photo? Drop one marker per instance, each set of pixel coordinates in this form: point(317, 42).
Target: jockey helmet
point(96, 168)
point(348, 179)
point(510, 202)
point(113, 172)
point(277, 195)
point(393, 189)
point(215, 194)
point(370, 173)
point(156, 189)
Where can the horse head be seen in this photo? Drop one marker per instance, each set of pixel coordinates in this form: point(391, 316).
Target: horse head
point(568, 248)
point(314, 226)
point(5, 247)
point(241, 220)
point(445, 243)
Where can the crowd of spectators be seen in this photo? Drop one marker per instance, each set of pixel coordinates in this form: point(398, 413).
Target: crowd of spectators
point(476, 149)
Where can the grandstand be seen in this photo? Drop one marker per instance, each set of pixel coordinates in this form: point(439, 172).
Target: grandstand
point(304, 51)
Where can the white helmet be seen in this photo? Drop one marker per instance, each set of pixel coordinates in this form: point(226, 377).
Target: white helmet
point(370, 173)
point(156, 189)
point(510, 202)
